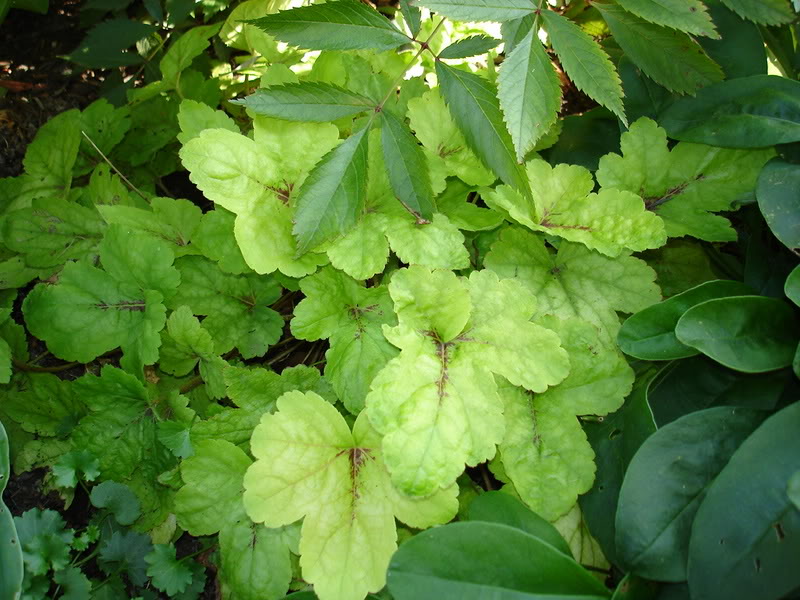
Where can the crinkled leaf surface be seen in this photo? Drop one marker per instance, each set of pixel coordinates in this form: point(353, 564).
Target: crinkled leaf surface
point(351, 316)
point(309, 464)
point(437, 403)
point(236, 306)
point(610, 222)
point(575, 281)
point(194, 117)
point(43, 404)
point(686, 185)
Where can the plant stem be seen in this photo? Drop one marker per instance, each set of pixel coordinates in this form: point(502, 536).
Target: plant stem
point(22, 366)
point(116, 170)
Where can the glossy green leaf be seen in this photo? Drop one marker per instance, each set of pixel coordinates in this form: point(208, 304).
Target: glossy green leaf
point(747, 333)
point(337, 25)
point(793, 489)
point(480, 10)
point(473, 103)
point(406, 166)
point(333, 194)
point(792, 286)
point(11, 566)
point(635, 588)
point(472, 560)
point(529, 92)
point(650, 334)
point(670, 58)
point(470, 46)
point(778, 195)
point(306, 101)
point(763, 12)
point(690, 16)
point(665, 483)
point(585, 62)
point(499, 507)
point(741, 51)
point(748, 112)
point(746, 534)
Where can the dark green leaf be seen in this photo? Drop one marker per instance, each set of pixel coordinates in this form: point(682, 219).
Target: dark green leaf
point(413, 16)
point(338, 25)
point(665, 484)
point(792, 287)
point(75, 585)
point(473, 560)
point(670, 58)
point(615, 440)
point(118, 499)
point(480, 10)
point(764, 12)
point(471, 46)
point(306, 101)
point(333, 194)
point(530, 93)
point(126, 550)
point(635, 588)
point(166, 572)
point(585, 62)
point(746, 535)
point(778, 194)
point(585, 138)
point(406, 166)
point(106, 44)
point(748, 112)
point(499, 507)
point(650, 333)
point(740, 52)
point(472, 101)
point(753, 334)
point(690, 16)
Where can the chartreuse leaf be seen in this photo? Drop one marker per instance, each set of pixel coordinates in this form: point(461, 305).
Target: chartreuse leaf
point(215, 239)
point(683, 186)
point(470, 46)
point(333, 194)
point(194, 117)
point(53, 231)
point(11, 562)
point(753, 334)
point(575, 281)
point(747, 532)
point(464, 560)
point(583, 546)
point(183, 51)
point(690, 16)
point(585, 62)
point(257, 179)
point(529, 93)
point(406, 166)
point(545, 453)
point(444, 145)
point(765, 12)
point(384, 222)
point(473, 103)
point(336, 25)
point(350, 316)
point(453, 336)
point(306, 101)
point(670, 58)
point(563, 204)
point(667, 480)
point(185, 342)
point(309, 464)
point(91, 311)
point(481, 10)
point(254, 392)
point(236, 306)
point(650, 333)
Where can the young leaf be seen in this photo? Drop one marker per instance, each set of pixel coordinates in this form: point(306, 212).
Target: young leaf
point(690, 16)
point(685, 185)
point(610, 222)
point(350, 316)
point(585, 62)
point(406, 166)
point(529, 93)
point(336, 25)
point(764, 12)
point(306, 101)
point(670, 58)
point(470, 46)
point(575, 282)
point(472, 101)
point(453, 336)
point(480, 10)
point(333, 194)
point(309, 464)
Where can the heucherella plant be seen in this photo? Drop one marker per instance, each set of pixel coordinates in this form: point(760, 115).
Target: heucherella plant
point(410, 284)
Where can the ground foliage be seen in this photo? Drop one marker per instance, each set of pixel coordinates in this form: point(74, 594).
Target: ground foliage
point(404, 299)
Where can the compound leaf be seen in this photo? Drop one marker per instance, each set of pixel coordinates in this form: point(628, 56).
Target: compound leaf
point(765, 12)
point(307, 101)
point(481, 10)
point(470, 46)
point(690, 16)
